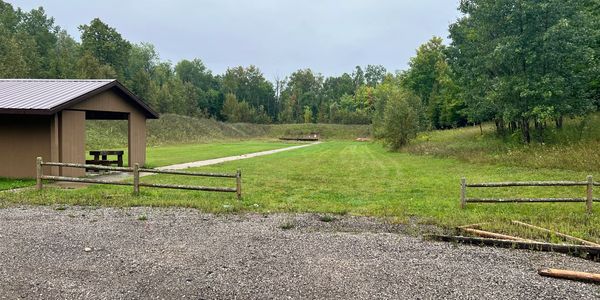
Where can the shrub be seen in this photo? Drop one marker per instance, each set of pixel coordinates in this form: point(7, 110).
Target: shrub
point(400, 120)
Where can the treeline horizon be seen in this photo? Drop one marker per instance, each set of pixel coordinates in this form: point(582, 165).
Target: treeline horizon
point(517, 63)
point(35, 47)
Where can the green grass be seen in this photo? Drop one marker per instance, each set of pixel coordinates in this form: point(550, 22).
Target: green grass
point(574, 147)
point(173, 129)
point(359, 179)
point(9, 184)
point(175, 154)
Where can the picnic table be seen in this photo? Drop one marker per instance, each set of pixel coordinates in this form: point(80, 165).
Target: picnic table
point(101, 157)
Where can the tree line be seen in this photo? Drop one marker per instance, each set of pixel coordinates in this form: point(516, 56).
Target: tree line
point(518, 63)
point(33, 46)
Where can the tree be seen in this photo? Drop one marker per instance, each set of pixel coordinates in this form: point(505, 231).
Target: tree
point(431, 78)
point(524, 61)
point(308, 114)
point(304, 88)
point(400, 120)
point(249, 84)
point(374, 75)
point(106, 45)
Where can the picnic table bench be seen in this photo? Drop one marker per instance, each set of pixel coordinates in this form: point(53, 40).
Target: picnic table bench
point(101, 157)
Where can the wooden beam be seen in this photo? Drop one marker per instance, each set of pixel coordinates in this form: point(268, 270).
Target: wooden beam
point(529, 200)
point(589, 251)
point(528, 183)
point(571, 275)
point(566, 236)
point(493, 235)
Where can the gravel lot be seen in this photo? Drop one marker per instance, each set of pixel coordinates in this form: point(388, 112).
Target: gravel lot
point(178, 253)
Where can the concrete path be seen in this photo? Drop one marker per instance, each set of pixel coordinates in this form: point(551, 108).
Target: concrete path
point(230, 158)
point(120, 176)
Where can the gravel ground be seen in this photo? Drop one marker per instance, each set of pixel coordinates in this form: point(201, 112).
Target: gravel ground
point(110, 253)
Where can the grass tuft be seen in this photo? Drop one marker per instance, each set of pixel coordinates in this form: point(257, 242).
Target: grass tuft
point(327, 218)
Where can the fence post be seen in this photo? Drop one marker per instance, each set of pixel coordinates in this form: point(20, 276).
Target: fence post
point(38, 172)
point(238, 180)
point(590, 193)
point(136, 179)
point(463, 192)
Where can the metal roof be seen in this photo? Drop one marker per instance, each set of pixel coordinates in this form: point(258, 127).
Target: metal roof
point(48, 96)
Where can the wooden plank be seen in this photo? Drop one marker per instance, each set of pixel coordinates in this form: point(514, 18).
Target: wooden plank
point(527, 183)
point(592, 252)
point(176, 172)
point(589, 194)
point(530, 200)
point(566, 236)
point(238, 184)
point(39, 173)
point(136, 179)
point(86, 166)
point(189, 187)
point(299, 139)
point(571, 275)
point(463, 192)
point(84, 180)
point(494, 235)
point(106, 152)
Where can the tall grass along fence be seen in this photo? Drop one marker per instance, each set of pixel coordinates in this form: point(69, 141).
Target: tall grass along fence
point(136, 170)
point(589, 199)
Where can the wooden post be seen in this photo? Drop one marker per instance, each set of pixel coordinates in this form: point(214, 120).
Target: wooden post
point(238, 180)
point(463, 192)
point(136, 179)
point(38, 171)
point(590, 193)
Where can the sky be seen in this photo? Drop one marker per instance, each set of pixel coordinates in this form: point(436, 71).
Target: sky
point(278, 36)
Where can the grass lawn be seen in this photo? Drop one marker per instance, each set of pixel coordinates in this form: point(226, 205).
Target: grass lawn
point(8, 184)
point(176, 154)
point(362, 179)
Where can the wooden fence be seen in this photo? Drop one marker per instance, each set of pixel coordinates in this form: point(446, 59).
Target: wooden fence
point(136, 170)
point(589, 199)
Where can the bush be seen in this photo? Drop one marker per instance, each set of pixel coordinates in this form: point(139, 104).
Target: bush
point(400, 120)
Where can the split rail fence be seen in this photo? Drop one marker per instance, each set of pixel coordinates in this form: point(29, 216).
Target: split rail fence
point(589, 199)
point(136, 170)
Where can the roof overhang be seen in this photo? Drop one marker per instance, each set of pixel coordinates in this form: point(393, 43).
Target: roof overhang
point(113, 85)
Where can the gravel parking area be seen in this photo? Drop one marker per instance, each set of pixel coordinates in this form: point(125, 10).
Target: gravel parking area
point(135, 253)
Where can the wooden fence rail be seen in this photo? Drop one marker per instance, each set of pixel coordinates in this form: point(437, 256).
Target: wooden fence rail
point(136, 170)
point(589, 199)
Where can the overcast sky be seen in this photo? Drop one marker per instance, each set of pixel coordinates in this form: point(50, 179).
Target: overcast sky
point(278, 36)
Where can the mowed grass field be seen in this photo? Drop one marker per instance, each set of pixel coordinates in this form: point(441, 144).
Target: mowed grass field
point(8, 184)
point(344, 177)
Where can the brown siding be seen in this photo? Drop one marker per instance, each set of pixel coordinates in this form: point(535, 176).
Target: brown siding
point(111, 101)
point(22, 139)
point(54, 143)
point(137, 138)
point(72, 141)
point(61, 137)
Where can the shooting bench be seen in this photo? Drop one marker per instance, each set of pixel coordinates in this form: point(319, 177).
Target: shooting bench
point(101, 157)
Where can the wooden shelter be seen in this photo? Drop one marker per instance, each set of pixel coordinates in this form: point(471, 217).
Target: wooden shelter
point(46, 117)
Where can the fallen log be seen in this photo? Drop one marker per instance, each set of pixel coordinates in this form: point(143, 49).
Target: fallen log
point(493, 235)
point(566, 236)
point(571, 275)
point(589, 252)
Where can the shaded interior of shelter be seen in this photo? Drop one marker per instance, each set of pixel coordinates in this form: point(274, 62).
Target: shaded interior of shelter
point(108, 142)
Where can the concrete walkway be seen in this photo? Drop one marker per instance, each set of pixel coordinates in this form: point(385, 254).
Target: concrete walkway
point(120, 176)
point(215, 161)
